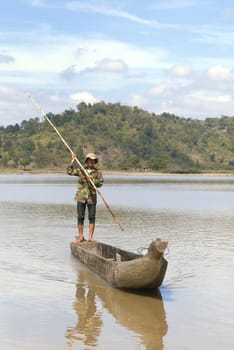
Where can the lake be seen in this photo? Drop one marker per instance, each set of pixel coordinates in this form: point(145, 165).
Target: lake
point(50, 301)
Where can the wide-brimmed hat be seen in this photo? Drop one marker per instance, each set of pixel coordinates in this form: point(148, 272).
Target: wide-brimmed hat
point(91, 156)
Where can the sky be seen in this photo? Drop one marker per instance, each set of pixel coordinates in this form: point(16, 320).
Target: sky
point(174, 56)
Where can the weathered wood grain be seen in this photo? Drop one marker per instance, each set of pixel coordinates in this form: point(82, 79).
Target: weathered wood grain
point(123, 269)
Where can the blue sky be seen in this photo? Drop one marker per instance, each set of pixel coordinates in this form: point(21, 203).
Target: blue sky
point(162, 56)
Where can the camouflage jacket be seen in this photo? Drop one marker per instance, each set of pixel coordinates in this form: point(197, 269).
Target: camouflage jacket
point(85, 191)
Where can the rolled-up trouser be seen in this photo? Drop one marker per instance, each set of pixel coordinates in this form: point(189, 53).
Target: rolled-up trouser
point(81, 212)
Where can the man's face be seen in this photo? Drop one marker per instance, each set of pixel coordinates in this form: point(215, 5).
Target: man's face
point(90, 163)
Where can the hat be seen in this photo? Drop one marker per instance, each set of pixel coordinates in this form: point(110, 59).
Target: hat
point(91, 156)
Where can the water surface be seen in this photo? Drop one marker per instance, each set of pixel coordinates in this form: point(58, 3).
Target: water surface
point(49, 301)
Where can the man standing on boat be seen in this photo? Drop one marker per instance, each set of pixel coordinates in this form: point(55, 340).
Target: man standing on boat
point(86, 193)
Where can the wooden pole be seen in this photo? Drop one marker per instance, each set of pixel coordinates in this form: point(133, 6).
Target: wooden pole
point(115, 218)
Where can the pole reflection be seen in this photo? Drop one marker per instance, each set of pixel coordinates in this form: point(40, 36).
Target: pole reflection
point(142, 313)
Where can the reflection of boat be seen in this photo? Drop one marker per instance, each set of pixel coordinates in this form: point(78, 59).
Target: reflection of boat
point(141, 313)
point(124, 269)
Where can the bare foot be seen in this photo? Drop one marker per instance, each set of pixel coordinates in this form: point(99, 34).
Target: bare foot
point(91, 240)
point(79, 240)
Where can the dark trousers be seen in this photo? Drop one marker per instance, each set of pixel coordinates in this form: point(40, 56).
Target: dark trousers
point(81, 212)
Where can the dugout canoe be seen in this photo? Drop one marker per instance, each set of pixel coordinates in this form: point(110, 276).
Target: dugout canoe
point(123, 269)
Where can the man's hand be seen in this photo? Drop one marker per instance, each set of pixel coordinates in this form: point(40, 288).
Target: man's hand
point(73, 158)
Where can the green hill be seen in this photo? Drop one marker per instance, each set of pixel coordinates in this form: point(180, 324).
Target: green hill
point(124, 138)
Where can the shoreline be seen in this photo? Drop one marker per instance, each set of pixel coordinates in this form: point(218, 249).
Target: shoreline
point(113, 173)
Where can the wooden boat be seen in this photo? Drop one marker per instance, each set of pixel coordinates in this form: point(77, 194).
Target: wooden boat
point(123, 269)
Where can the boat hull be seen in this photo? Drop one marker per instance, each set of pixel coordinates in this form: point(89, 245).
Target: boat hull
point(123, 269)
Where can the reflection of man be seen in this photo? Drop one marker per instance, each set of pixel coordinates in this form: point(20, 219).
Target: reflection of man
point(89, 322)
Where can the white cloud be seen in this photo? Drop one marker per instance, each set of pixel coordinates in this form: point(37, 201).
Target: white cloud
point(138, 100)
point(80, 51)
point(104, 10)
point(181, 70)
point(201, 104)
point(47, 55)
point(163, 89)
point(107, 65)
point(184, 101)
point(5, 91)
point(214, 36)
point(56, 98)
point(127, 70)
point(220, 73)
point(203, 97)
point(224, 99)
point(114, 66)
point(84, 96)
point(6, 59)
point(69, 73)
point(15, 106)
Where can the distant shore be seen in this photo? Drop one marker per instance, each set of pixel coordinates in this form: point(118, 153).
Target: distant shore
point(5, 171)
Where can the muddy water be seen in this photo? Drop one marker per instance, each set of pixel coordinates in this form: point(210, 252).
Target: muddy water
point(48, 300)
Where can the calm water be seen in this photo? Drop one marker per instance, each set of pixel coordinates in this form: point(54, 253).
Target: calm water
point(49, 301)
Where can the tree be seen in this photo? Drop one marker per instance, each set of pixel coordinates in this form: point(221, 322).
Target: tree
point(24, 162)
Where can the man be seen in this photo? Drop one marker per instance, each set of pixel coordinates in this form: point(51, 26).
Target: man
point(86, 195)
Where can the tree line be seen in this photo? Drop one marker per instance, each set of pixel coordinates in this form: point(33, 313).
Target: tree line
point(123, 137)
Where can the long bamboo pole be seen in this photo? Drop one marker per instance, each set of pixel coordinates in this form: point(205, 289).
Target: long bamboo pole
point(115, 218)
